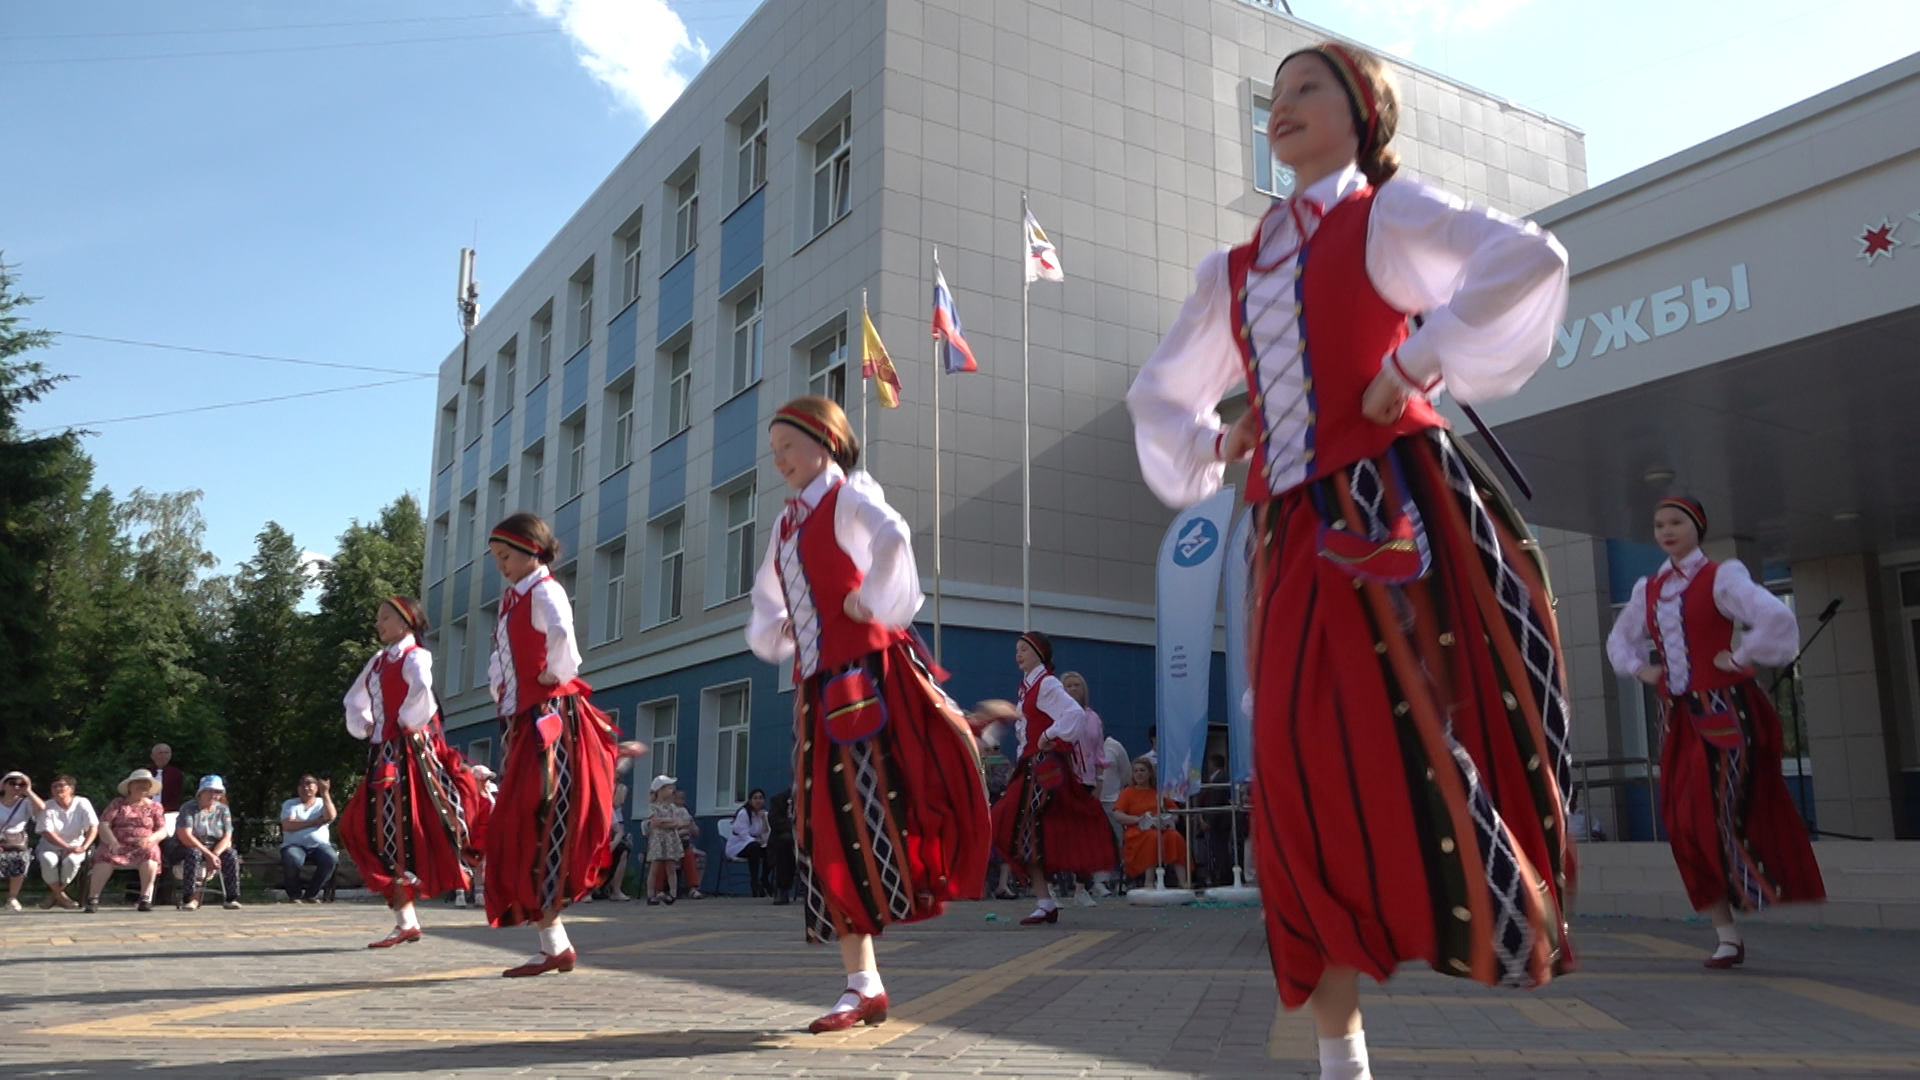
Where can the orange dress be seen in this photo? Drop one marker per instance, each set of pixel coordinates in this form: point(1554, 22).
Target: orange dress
point(1143, 851)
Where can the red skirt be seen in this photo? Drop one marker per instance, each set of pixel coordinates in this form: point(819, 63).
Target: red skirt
point(1734, 830)
point(549, 840)
point(1410, 724)
point(1064, 829)
point(419, 811)
point(889, 828)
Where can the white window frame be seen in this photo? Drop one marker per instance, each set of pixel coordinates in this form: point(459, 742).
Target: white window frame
point(613, 587)
point(737, 564)
point(542, 334)
point(678, 396)
point(820, 377)
point(533, 473)
point(620, 406)
point(630, 260)
point(449, 432)
point(725, 783)
point(832, 175)
point(507, 364)
point(686, 215)
point(1269, 176)
point(583, 307)
point(498, 485)
point(476, 407)
point(669, 535)
point(457, 646)
point(750, 152)
point(480, 751)
point(749, 343)
point(576, 475)
point(662, 750)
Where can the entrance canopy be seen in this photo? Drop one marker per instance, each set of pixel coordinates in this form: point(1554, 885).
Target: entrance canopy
point(1744, 326)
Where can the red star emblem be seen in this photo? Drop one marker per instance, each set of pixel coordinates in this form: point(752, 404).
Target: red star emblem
point(1877, 240)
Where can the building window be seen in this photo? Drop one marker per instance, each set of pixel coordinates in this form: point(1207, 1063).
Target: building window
point(833, 175)
point(677, 393)
point(583, 306)
point(686, 216)
point(1269, 175)
point(533, 473)
point(463, 544)
point(613, 575)
point(542, 344)
point(737, 560)
point(497, 496)
point(667, 540)
point(629, 244)
point(476, 407)
point(728, 718)
point(663, 736)
point(480, 752)
point(746, 343)
point(621, 400)
point(505, 367)
point(480, 646)
point(449, 432)
point(827, 368)
point(576, 475)
point(457, 650)
point(751, 153)
point(437, 555)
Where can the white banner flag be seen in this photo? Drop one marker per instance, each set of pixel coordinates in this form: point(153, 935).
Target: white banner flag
point(1043, 262)
point(1187, 585)
point(1239, 610)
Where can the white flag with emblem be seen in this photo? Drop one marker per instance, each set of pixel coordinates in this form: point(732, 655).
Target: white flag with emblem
point(1043, 262)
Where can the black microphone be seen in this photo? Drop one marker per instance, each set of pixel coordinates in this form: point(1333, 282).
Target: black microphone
point(1832, 607)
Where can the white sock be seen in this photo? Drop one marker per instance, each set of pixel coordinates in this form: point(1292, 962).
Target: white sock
point(553, 940)
point(1047, 903)
point(405, 918)
point(1729, 936)
point(859, 983)
point(1345, 1058)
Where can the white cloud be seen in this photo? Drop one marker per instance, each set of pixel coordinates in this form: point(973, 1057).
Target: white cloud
point(1402, 49)
point(639, 49)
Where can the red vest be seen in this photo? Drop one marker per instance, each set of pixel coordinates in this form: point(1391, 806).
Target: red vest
point(529, 647)
point(1038, 721)
point(831, 576)
point(392, 677)
point(1709, 633)
point(1348, 330)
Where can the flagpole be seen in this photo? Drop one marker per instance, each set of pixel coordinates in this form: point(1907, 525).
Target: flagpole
point(1026, 441)
point(863, 379)
point(936, 486)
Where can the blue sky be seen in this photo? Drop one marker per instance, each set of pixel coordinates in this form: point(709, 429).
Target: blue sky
point(295, 180)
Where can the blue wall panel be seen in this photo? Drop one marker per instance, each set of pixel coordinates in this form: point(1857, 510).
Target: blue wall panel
point(743, 240)
point(443, 490)
point(536, 425)
point(470, 469)
point(736, 435)
point(573, 382)
point(436, 595)
point(502, 443)
point(622, 335)
point(1627, 563)
point(462, 592)
point(676, 297)
point(566, 528)
point(612, 515)
point(667, 484)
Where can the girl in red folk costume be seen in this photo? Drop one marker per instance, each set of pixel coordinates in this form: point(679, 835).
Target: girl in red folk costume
point(548, 843)
point(890, 805)
point(1048, 821)
point(417, 825)
point(1734, 832)
point(1410, 711)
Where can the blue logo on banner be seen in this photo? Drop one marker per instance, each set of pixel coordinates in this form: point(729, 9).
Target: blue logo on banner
point(1196, 542)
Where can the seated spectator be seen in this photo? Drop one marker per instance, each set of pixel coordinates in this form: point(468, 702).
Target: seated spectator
point(18, 807)
point(304, 840)
point(693, 858)
point(785, 857)
point(1153, 836)
point(747, 841)
point(205, 832)
point(68, 825)
point(1217, 826)
point(664, 840)
point(130, 835)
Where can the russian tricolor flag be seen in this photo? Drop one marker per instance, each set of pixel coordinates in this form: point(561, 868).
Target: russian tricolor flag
point(955, 357)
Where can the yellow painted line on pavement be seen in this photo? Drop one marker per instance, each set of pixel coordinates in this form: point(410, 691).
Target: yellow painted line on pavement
point(1872, 1006)
point(1660, 946)
point(170, 1021)
point(662, 943)
point(1291, 1036)
point(963, 993)
point(1692, 1061)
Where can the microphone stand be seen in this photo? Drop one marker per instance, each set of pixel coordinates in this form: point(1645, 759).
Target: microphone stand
point(1799, 729)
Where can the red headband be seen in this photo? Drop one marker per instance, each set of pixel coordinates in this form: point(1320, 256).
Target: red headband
point(516, 541)
point(1689, 506)
point(1366, 110)
point(408, 611)
point(810, 424)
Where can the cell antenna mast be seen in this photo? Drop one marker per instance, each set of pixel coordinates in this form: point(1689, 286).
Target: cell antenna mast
point(467, 298)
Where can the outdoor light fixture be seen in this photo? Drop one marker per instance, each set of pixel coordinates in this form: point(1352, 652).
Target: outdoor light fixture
point(1658, 475)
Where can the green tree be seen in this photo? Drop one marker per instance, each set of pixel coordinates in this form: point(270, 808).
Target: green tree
point(30, 475)
point(375, 560)
point(265, 648)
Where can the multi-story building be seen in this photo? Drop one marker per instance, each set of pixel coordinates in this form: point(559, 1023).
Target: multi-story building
point(622, 385)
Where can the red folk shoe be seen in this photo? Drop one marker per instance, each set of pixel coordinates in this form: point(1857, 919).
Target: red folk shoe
point(1721, 963)
point(1035, 919)
point(398, 937)
point(870, 1011)
point(546, 963)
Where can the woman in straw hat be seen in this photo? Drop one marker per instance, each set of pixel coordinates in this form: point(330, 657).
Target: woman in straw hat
point(130, 835)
